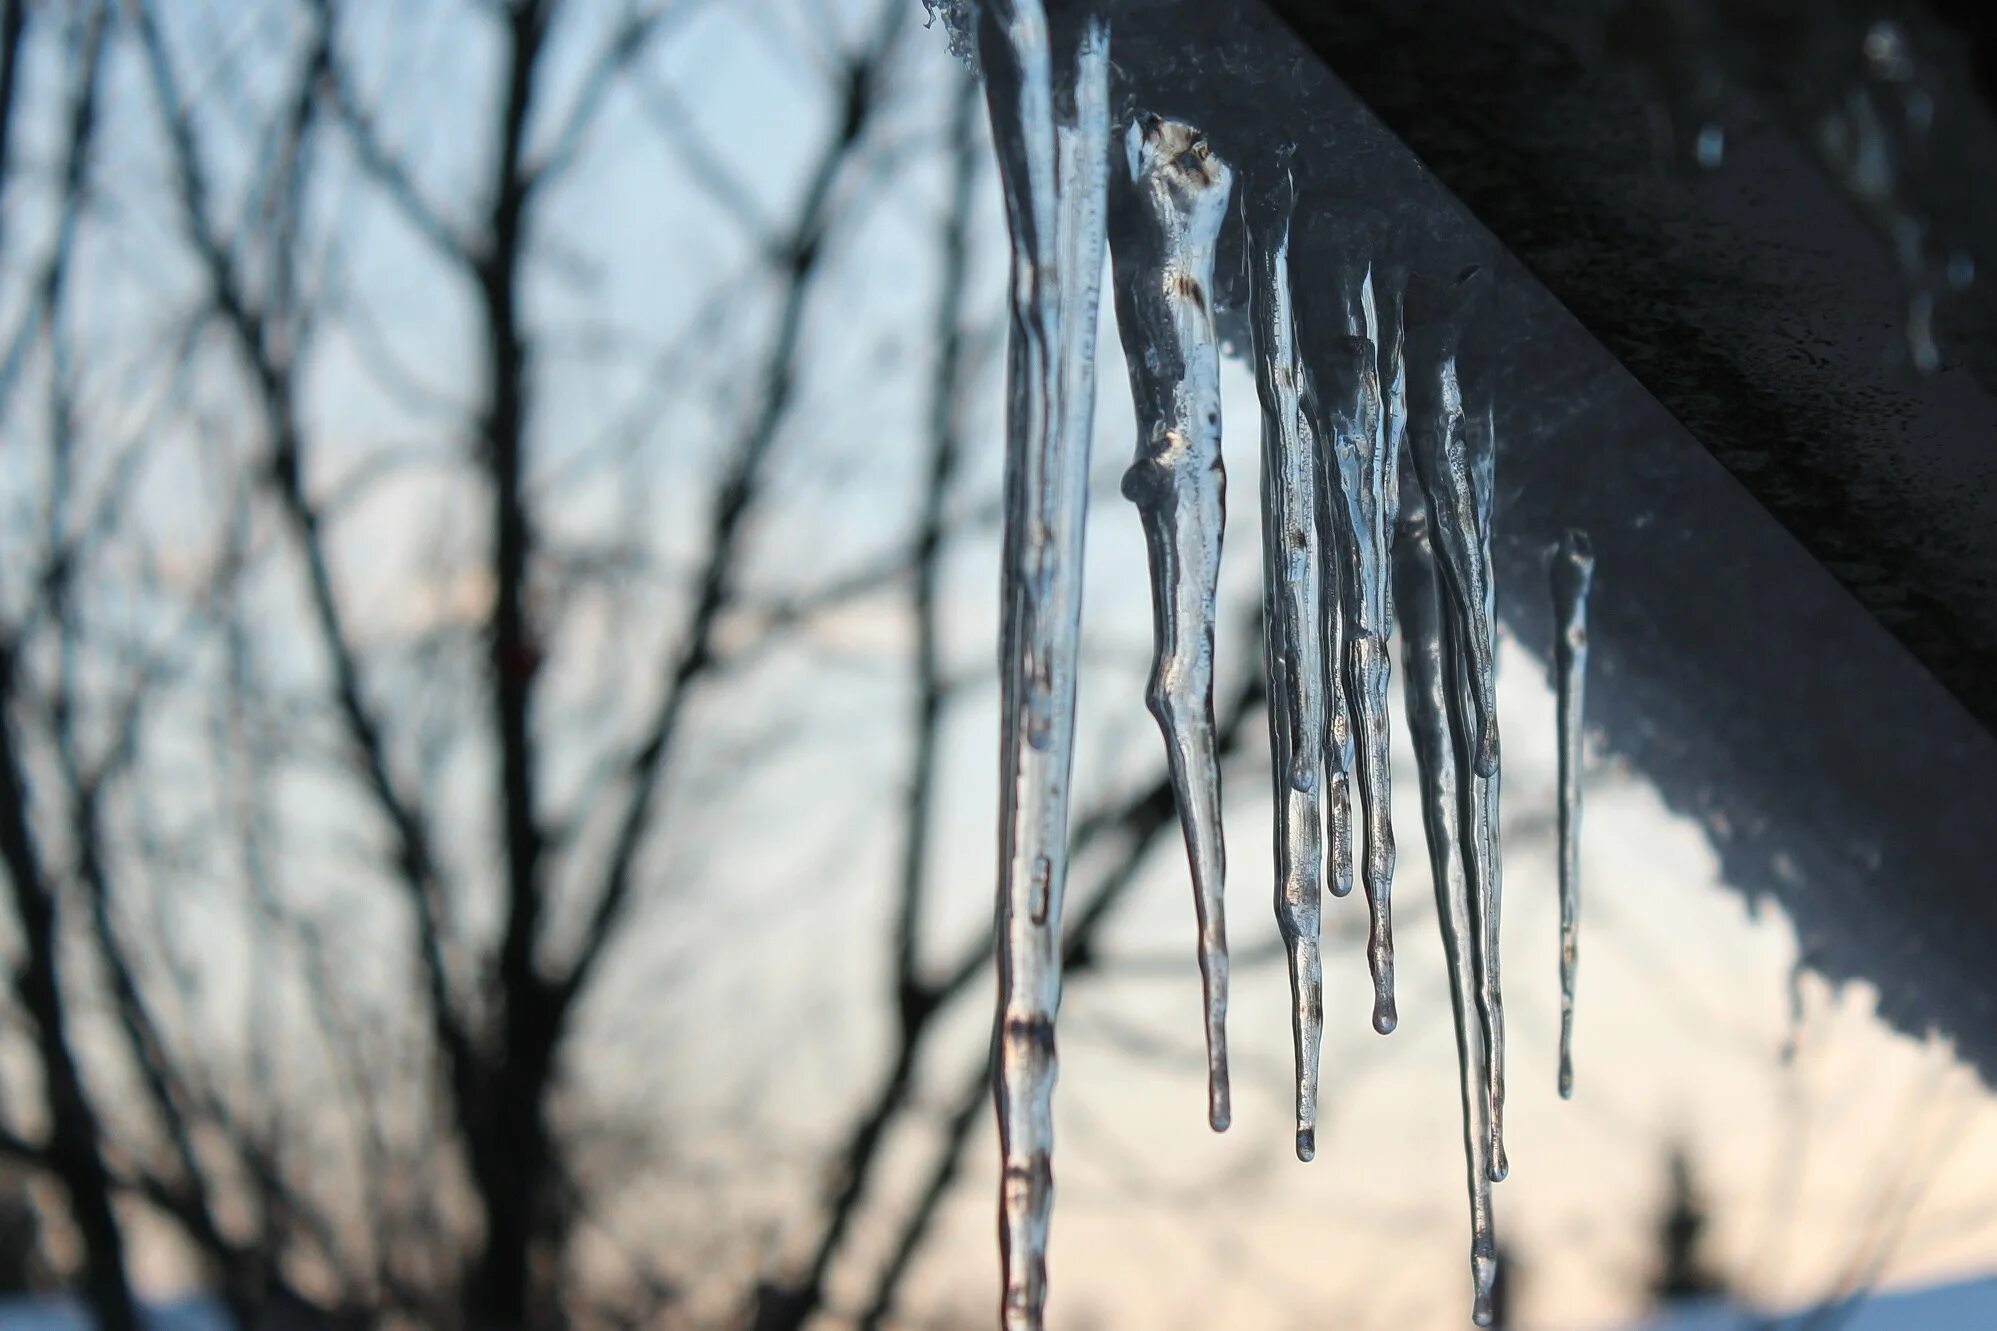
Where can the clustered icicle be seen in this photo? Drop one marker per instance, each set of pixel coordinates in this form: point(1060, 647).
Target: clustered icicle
point(1291, 623)
point(1376, 488)
point(1167, 210)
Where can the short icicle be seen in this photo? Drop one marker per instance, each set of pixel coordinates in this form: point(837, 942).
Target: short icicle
point(1438, 440)
point(1360, 477)
point(1573, 576)
point(1291, 625)
point(1166, 212)
point(1454, 464)
point(1338, 746)
point(1429, 684)
point(1335, 560)
point(1050, 126)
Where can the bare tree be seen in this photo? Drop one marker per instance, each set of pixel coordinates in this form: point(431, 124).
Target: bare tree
point(260, 137)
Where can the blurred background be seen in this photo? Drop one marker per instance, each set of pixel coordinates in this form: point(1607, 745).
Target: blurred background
point(498, 566)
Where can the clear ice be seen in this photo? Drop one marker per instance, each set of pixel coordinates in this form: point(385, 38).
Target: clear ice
point(1291, 628)
point(1432, 691)
point(1376, 492)
point(1166, 213)
point(1354, 420)
point(1439, 444)
point(1050, 128)
point(1453, 464)
point(1573, 575)
point(1487, 879)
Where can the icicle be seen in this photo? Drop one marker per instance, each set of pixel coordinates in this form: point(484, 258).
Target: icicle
point(1359, 475)
point(1052, 143)
point(1439, 446)
point(1334, 560)
point(1454, 473)
point(1166, 217)
point(1290, 623)
point(1430, 686)
point(1338, 749)
point(1573, 575)
point(1481, 798)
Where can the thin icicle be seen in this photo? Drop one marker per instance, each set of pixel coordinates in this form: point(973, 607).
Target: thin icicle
point(1573, 576)
point(1338, 749)
point(1430, 686)
point(1359, 475)
point(1391, 318)
point(1290, 624)
point(1166, 215)
point(1454, 466)
point(1335, 559)
point(1487, 877)
point(1439, 444)
point(1052, 141)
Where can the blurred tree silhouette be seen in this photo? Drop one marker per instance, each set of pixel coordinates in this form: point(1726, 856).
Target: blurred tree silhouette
point(24, 1262)
point(349, 668)
point(1683, 1273)
point(191, 577)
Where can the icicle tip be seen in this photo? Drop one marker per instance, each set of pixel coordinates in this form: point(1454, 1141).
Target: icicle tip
point(1484, 1279)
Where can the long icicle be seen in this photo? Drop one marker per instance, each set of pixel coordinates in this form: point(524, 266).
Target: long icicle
point(1360, 474)
point(1573, 576)
point(1166, 214)
point(1291, 627)
point(1450, 468)
point(1430, 686)
point(1052, 142)
point(1482, 791)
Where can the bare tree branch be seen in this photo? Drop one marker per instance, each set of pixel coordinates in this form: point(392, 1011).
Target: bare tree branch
point(694, 651)
point(634, 33)
point(74, 1150)
point(404, 815)
point(381, 164)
